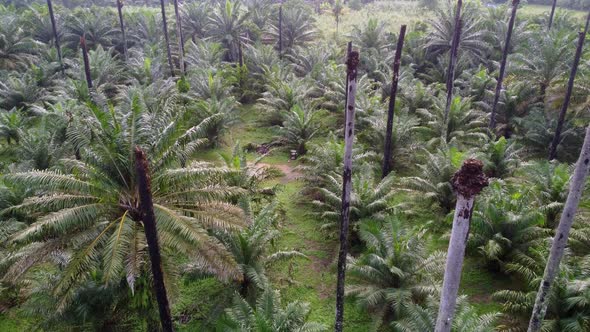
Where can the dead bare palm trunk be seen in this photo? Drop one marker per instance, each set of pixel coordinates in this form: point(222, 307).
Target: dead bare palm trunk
point(122, 25)
point(552, 15)
point(467, 182)
point(453, 59)
point(55, 35)
point(392, 96)
point(515, 4)
point(180, 38)
point(561, 235)
point(86, 61)
point(351, 70)
point(240, 54)
point(151, 235)
point(568, 94)
point(281, 31)
point(166, 37)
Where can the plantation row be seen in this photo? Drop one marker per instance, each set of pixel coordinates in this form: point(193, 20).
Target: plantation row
point(219, 95)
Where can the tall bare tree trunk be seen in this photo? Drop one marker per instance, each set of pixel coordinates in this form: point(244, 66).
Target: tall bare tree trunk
point(240, 54)
point(351, 70)
point(55, 35)
point(561, 235)
point(122, 25)
point(180, 38)
point(467, 182)
point(281, 31)
point(166, 37)
point(568, 94)
point(552, 15)
point(86, 61)
point(392, 96)
point(151, 234)
point(348, 51)
point(453, 59)
point(515, 4)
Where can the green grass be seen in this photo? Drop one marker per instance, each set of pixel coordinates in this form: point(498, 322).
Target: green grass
point(14, 321)
point(535, 10)
point(479, 284)
point(313, 280)
point(393, 13)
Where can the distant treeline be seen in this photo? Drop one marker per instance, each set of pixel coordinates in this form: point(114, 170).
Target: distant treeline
point(571, 4)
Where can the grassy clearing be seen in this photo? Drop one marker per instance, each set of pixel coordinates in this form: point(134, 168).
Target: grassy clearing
point(312, 280)
point(394, 14)
point(534, 10)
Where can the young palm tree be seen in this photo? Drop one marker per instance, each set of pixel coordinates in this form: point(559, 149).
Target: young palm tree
point(404, 143)
point(299, 127)
point(433, 184)
point(505, 224)
point(227, 23)
point(16, 49)
point(545, 60)
point(195, 17)
point(464, 125)
point(89, 208)
point(21, 91)
point(422, 318)
point(298, 28)
point(549, 182)
point(370, 198)
point(254, 251)
point(371, 36)
point(246, 175)
point(517, 100)
point(472, 42)
point(394, 273)
point(500, 157)
point(282, 94)
point(90, 24)
point(328, 158)
point(568, 308)
point(268, 315)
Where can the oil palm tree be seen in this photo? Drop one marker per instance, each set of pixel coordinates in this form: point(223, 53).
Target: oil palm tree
point(395, 272)
point(504, 225)
point(568, 308)
point(92, 25)
point(404, 143)
point(500, 157)
point(549, 182)
point(422, 318)
point(195, 18)
point(328, 158)
point(21, 91)
point(254, 251)
point(372, 35)
point(517, 100)
point(268, 314)
point(282, 93)
point(299, 127)
point(227, 24)
point(17, 50)
point(546, 60)
point(89, 208)
point(298, 28)
point(472, 44)
point(370, 199)
point(433, 183)
point(464, 126)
